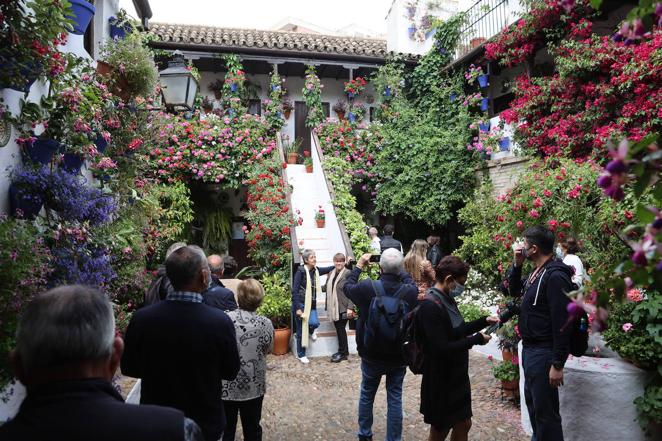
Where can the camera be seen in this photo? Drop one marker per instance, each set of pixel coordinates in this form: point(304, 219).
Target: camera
point(512, 309)
point(375, 258)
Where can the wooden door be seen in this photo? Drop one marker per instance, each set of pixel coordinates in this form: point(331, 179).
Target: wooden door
point(300, 130)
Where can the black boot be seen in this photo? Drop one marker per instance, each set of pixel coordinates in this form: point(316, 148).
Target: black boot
point(338, 357)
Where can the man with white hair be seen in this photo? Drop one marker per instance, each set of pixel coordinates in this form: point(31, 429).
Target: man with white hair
point(182, 348)
point(376, 362)
point(66, 354)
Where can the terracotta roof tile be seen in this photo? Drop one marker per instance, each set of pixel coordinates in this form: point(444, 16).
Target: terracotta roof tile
point(192, 35)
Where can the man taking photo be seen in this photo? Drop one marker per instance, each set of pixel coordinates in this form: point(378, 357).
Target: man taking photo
point(542, 324)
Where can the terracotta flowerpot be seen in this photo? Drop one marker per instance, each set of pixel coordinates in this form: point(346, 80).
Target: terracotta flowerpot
point(341, 115)
point(281, 341)
point(208, 109)
point(120, 86)
point(475, 42)
point(309, 169)
point(217, 94)
point(508, 354)
point(292, 158)
point(320, 222)
point(510, 388)
point(287, 113)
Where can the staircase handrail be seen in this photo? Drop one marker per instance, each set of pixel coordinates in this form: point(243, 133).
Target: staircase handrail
point(343, 231)
point(296, 254)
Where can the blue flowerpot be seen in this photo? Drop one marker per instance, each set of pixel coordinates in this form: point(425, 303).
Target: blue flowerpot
point(83, 12)
point(100, 143)
point(351, 117)
point(484, 104)
point(453, 96)
point(118, 31)
point(275, 87)
point(29, 204)
point(504, 144)
point(280, 115)
point(233, 87)
point(41, 151)
point(72, 162)
point(430, 33)
point(483, 80)
point(387, 92)
point(411, 30)
point(484, 127)
point(350, 95)
point(24, 75)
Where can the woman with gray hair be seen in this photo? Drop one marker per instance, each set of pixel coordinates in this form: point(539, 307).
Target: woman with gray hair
point(306, 287)
point(255, 339)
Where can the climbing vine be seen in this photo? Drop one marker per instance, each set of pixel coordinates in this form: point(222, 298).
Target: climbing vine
point(312, 95)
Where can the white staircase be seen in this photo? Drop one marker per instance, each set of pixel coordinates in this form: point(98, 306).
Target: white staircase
point(309, 192)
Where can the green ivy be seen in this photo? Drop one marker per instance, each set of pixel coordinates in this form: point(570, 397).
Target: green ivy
point(312, 96)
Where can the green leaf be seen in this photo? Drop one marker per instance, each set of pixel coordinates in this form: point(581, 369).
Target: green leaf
point(644, 215)
point(595, 4)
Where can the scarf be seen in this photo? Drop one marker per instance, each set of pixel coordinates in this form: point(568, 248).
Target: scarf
point(308, 303)
point(332, 295)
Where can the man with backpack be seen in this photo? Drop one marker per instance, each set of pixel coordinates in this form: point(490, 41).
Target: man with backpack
point(383, 305)
point(545, 328)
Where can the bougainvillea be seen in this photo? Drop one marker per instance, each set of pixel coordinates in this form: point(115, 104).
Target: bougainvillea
point(603, 89)
point(269, 217)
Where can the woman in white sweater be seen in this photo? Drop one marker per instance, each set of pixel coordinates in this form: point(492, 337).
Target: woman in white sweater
point(569, 248)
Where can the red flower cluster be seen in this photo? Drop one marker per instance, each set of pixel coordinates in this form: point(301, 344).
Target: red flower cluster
point(355, 86)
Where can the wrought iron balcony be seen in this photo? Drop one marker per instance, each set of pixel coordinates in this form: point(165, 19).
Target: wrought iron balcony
point(484, 19)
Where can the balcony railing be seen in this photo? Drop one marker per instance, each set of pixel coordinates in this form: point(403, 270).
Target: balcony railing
point(485, 19)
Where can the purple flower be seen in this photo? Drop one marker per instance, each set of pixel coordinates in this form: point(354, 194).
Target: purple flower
point(616, 166)
point(639, 258)
point(604, 181)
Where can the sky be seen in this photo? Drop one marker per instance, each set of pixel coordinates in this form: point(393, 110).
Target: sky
point(263, 14)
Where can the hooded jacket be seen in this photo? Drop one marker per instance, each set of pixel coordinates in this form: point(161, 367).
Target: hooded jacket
point(543, 312)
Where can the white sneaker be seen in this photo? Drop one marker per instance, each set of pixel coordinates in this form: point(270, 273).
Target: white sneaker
point(313, 336)
point(304, 359)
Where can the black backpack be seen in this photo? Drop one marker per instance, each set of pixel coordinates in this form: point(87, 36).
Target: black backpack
point(579, 335)
point(384, 328)
point(412, 347)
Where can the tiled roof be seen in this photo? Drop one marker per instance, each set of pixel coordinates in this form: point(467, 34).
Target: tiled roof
point(287, 42)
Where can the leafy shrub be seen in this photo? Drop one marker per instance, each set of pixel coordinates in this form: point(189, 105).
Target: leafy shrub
point(276, 305)
point(471, 312)
point(506, 370)
point(132, 60)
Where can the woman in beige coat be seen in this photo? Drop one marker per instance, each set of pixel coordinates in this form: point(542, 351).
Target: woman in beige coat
point(339, 308)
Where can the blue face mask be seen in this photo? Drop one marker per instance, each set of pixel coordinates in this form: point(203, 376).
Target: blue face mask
point(457, 291)
point(559, 253)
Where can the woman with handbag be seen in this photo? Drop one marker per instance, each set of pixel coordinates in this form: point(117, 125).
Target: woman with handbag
point(306, 287)
point(338, 307)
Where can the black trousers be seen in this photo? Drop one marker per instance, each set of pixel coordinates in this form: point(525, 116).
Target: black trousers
point(251, 414)
point(342, 336)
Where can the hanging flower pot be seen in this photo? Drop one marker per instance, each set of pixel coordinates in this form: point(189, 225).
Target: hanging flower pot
point(72, 162)
point(275, 87)
point(484, 127)
point(42, 150)
point(453, 97)
point(18, 76)
point(28, 205)
point(411, 30)
point(504, 144)
point(118, 31)
point(234, 87)
point(309, 168)
point(341, 115)
point(83, 11)
point(484, 104)
point(483, 80)
point(320, 223)
point(387, 92)
point(351, 116)
point(100, 143)
point(287, 114)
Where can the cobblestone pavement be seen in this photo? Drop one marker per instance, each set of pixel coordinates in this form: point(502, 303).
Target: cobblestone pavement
point(319, 402)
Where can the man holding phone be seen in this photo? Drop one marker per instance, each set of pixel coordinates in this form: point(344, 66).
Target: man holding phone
point(541, 324)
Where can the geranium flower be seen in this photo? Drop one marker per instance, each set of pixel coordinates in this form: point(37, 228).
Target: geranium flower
point(627, 327)
point(635, 295)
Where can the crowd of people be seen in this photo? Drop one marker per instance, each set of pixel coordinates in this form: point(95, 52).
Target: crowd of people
point(68, 350)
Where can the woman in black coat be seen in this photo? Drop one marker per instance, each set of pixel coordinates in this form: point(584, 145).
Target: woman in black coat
point(446, 339)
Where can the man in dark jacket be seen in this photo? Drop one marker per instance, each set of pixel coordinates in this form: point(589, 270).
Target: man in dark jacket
point(182, 348)
point(375, 365)
point(67, 372)
point(434, 253)
point(218, 295)
point(161, 286)
point(388, 241)
point(543, 326)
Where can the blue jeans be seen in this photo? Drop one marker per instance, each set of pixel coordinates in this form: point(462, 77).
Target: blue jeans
point(301, 351)
point(542, 400)
point(371, 376)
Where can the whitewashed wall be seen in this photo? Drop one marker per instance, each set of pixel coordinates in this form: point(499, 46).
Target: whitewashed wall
point(332, 92)
point(10, 155)
point(397, 26)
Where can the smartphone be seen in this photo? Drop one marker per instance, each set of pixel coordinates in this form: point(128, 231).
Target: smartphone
point(375, 258)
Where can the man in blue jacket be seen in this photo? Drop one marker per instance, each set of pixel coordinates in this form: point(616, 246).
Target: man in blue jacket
point(543, 326)
point(374, 365)
point(218, 295)
point(182, 348)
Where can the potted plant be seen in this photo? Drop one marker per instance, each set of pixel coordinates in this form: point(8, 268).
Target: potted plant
point(340, 108)
point(508, 373)
point(82, 13)
point(276, 306)
point(357, 112)
point(216, 87)
point(120, 25)
point(287, 107)
point(308, 162)
point(293, 151)
point(355, 87)
point(207, 104)
point(508, 339)
point(320, 217)
point(132, 69)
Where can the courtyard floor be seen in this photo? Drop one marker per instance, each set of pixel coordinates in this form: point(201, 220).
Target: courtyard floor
point(319, 402)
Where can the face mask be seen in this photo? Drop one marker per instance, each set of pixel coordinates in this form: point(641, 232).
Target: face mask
point(559, 252)
point(457, 291)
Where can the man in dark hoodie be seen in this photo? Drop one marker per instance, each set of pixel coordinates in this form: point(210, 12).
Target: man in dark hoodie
point(542, 324)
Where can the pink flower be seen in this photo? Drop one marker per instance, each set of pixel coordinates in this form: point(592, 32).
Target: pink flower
point(490, 358)
point(635, 295)
point(515, 359)
point(627, 327)
point(534, 213)
point(519, 225)
point(552, 224)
